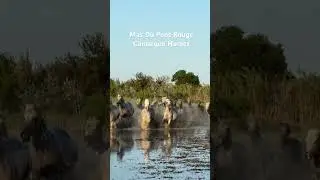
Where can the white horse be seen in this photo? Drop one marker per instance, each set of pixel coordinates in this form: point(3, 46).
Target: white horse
point(170, 113)
point(147, 116)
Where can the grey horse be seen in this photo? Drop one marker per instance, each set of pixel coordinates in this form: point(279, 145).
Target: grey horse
point(51, 144)
point(290, 145)
point(312, 150)
point(179, 104)
point(254, 130)
point(170, 114)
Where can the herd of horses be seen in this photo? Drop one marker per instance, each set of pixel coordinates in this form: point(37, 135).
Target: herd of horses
point(160, 113)
point(303, 153)
point(57, 151)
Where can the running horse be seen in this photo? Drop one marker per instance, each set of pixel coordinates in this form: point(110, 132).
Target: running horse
point(53, 146)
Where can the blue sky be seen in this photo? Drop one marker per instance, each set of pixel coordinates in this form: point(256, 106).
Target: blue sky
point(159, 16)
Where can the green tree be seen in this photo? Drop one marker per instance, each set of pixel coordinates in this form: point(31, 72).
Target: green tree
point(232, 50)
point(183, 77)
point(93, 45)
point(94, 62)
point(142, 81)
point(114, 87)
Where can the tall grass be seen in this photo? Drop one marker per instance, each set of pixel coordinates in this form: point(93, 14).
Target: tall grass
point(294, 100)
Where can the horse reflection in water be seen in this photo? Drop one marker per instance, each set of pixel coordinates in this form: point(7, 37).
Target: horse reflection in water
point(154, 139)
point(167, 144)
point(95, 135)
point(148, 142)
point(156, 156)
point(121, 141)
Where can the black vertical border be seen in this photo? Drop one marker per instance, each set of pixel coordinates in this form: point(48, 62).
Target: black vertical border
point(107, 89)
point(212, 93)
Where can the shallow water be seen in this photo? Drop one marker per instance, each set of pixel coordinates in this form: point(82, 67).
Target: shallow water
point(160, 154)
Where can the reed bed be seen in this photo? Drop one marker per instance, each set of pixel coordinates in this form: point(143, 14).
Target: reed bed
point(294, 100)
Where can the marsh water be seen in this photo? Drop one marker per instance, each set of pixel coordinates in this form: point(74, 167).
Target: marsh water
point(160, 154)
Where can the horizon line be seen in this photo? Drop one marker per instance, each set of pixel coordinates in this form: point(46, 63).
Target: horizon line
point(122, 81)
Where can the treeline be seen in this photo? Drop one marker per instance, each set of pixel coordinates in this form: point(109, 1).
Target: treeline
point(182, 85)
point(251, 77)
point(68, 84)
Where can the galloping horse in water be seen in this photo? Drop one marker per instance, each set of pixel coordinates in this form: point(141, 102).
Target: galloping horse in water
point(147, 116)
point(170, 114)
point(126, 108)
point(53, 146)
point(121, 115)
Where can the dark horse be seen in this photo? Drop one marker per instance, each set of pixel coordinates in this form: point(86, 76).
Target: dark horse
point(15, 158)
point(54, 144)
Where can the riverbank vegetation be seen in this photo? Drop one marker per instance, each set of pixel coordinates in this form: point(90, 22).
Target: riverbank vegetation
point(251, 77)
point(182, 85)
point(69, 84)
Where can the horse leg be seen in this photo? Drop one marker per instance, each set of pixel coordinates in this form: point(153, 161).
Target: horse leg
point(314, 176)
point(164, 121)
point(28, 171)
point(4, 174)
point(169, 122)
point(40, 159)
point(55, 168)
point(49, 171)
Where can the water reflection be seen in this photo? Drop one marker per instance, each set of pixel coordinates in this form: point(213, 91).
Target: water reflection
point(121, 142)
point(160, 154)
point(148, 141)
point(167, 144)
